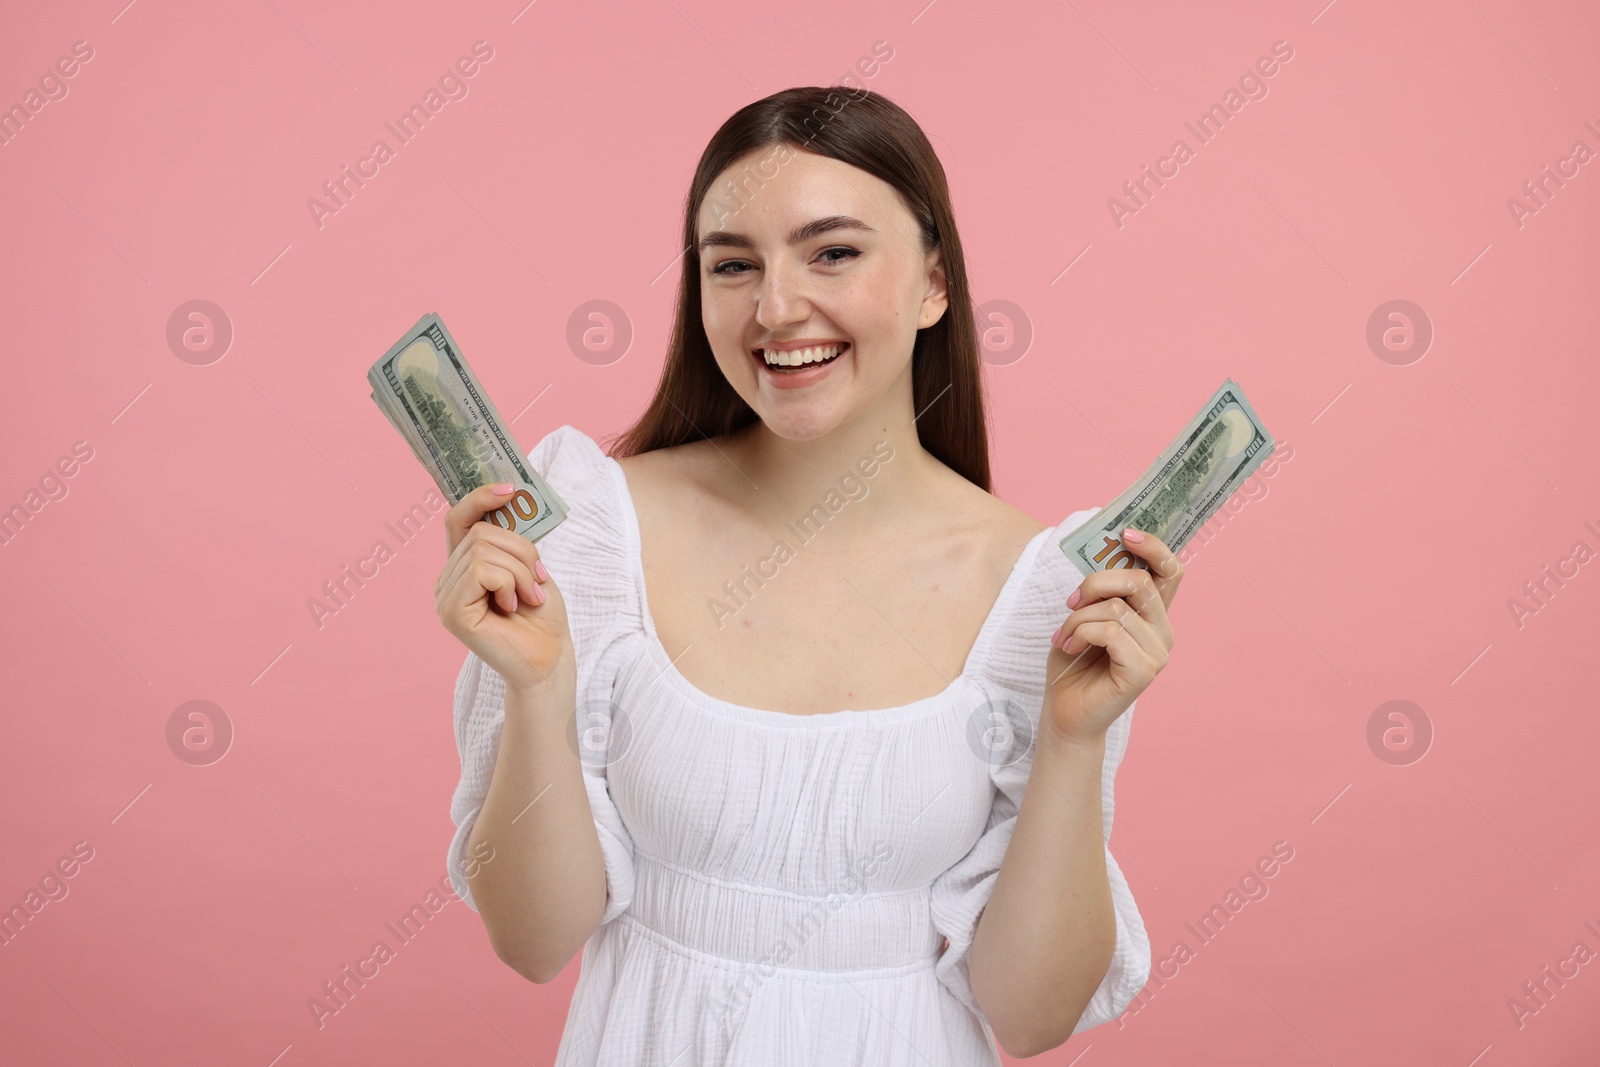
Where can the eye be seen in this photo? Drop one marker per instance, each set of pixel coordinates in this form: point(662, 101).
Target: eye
point(845, 252)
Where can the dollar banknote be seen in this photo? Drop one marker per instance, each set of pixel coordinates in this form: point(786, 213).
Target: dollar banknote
point(1182, 489)
point(431, 397)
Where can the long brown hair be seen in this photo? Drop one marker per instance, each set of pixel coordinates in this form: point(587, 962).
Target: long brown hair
point(693, 399)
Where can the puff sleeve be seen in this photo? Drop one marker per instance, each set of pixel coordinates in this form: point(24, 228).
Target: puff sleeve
point(1014, 673)
point(586, 555)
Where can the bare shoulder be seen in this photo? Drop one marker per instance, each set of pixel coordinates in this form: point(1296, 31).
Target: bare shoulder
point(671, 469)
point(983, 526)
point(663, 480)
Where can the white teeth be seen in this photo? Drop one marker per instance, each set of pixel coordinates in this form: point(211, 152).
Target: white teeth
point(775, 358)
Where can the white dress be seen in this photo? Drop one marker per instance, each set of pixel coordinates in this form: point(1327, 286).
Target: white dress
point(780, 887)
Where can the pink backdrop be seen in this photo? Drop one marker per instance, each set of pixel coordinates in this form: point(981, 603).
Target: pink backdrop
point(1434, 464)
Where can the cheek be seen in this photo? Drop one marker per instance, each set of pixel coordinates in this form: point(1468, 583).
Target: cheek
point(880, 308)
point(720, 317)
point(725, 329)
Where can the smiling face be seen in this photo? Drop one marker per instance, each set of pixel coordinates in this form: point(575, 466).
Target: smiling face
point(823, 258)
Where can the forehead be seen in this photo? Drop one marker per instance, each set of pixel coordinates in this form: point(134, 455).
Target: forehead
point(762, 196)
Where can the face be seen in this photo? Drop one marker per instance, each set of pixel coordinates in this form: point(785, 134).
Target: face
point(822, 255)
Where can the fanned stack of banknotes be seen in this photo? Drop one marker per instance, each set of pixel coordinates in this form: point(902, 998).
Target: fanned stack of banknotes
point(431, 396)
point(1182, 489)
point(427, 391)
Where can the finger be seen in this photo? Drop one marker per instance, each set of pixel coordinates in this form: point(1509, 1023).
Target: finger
point(469, 580)
point(503, 545)
point(1165, 566)
point(470, 508)
point(514, 545)
point(1134, 584)
point(527, 589)
point(1148, 602)
point(1124, 650)
point(457, 594)
point(458, 570)
point(1149, 637)
point(484, 569)
point(519, 546)
point(498, 581)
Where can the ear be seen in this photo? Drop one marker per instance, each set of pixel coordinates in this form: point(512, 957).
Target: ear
point(937, 297)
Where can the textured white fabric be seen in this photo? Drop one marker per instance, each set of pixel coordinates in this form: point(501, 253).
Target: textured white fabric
point(780, 886)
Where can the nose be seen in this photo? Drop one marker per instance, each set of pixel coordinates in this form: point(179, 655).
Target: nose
point(781, 300)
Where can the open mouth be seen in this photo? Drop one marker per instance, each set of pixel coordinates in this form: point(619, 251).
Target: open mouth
point(800, 359)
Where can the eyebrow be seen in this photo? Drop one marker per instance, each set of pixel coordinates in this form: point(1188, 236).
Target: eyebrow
point(725, 239)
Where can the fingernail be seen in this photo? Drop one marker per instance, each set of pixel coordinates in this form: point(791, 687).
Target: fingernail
point(1072, 601)
point(1132, 536)
point(513, 600)
point(1067, 648)
point(538, 568)
point(500, 490)
point(538, 595)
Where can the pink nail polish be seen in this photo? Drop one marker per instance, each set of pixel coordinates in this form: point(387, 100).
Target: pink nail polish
point(538, 568)
point(500, 490)
point(1072, 601)
point(1132, 536)
point(538, 596)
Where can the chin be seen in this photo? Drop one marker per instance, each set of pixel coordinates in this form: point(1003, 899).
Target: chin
point(800, 426)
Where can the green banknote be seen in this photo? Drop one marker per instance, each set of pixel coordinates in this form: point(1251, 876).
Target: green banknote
point(1186, 484)
point(429, 394)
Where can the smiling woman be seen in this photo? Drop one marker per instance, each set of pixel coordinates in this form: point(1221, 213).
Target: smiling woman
point(795, 833)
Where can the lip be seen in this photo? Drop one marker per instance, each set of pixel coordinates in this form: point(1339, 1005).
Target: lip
point(803, 378)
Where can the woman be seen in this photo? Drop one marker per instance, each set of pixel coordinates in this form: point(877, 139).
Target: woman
point(828, 861)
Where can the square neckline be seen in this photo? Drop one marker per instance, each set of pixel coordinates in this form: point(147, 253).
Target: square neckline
point(822, 719)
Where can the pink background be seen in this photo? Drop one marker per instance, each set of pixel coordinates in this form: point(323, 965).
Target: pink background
point(1378, 565)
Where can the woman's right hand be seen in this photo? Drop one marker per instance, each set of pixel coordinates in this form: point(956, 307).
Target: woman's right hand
point(497, 598)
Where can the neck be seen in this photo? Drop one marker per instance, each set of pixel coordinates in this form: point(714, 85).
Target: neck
point(794, 481)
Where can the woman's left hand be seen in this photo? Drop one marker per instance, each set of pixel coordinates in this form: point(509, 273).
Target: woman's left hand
point(1114, 643)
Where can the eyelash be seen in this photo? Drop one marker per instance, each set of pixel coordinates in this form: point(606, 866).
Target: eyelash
point(721, 268)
